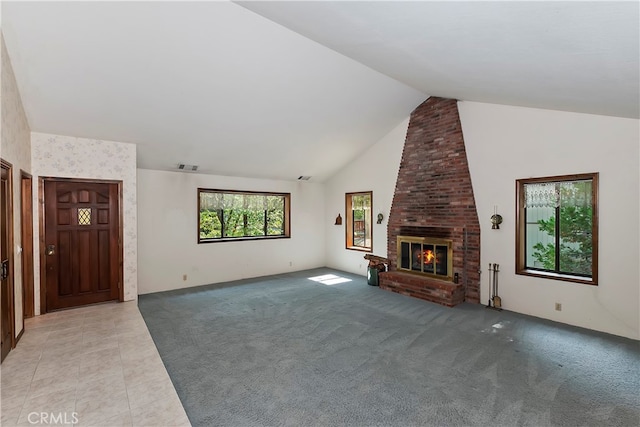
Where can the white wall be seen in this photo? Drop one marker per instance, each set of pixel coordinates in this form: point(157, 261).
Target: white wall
point(70, 157)
point(507, 143)
point(168, 225)
point(374, 170)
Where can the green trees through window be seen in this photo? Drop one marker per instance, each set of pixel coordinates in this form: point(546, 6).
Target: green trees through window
point(359, 221)
point(558, 227)
point(227, 215)
point(572, 247)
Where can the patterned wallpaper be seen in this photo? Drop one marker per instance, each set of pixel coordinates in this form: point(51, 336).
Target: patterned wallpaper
point(15, 149)
point(71, 157)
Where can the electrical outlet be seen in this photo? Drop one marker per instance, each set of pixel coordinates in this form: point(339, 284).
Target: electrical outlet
point(558, 306)
point(184, 277)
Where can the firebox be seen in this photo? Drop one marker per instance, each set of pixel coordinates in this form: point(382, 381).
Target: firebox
point(428, 256)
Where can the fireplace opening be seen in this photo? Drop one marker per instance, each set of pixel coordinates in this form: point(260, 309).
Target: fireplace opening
point(429, 256)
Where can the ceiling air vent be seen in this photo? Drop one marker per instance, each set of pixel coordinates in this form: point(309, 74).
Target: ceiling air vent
point(304, 178)
point(188, 168)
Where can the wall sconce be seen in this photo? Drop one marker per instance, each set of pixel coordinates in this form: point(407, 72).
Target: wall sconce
point(496, 219)
point(338, 220)
point(380, 218)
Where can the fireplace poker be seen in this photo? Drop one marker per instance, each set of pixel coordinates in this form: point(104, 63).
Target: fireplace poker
point(497, 301)
point(490, 286)
point(493, 285)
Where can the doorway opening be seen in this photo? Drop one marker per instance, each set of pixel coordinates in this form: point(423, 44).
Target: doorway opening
point(26, 224)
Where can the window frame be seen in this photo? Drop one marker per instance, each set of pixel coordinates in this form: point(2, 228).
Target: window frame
point(286, 220)
point(349, 229)
point(521, 240)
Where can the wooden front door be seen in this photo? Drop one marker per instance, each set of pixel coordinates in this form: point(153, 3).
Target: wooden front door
point(82, 249)
point(6, 293)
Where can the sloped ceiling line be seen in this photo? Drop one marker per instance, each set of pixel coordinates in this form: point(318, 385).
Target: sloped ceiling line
point(283, 89)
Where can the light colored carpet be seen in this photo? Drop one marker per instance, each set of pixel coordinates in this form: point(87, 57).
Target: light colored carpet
point(286, 350)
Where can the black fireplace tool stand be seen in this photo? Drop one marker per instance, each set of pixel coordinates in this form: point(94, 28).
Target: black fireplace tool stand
point(495, 302)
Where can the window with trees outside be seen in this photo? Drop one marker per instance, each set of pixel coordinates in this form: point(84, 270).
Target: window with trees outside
point(557, 228)
point(359, 218)
point(225, 215)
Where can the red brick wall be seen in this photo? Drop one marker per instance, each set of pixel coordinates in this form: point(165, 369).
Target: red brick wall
point(433, 194)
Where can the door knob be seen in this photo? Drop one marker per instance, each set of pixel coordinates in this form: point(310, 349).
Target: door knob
point(51, 249)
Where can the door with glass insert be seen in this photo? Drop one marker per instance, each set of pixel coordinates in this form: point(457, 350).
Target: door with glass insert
point(81, 249)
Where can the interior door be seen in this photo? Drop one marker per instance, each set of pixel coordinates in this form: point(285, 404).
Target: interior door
point(6, 292)
point(81, 248)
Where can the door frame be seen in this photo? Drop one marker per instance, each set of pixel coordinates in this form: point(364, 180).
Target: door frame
point(11, 284)
point(26, 212)
point(41, 221)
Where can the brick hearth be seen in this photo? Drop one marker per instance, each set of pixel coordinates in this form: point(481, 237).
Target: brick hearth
point(434, 197)
point(438, 291)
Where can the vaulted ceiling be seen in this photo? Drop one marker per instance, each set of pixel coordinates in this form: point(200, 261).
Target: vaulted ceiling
point(282, 89)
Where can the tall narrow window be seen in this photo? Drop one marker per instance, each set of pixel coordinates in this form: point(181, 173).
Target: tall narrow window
point(557, 235)
point(358, 212)
point(225, 215)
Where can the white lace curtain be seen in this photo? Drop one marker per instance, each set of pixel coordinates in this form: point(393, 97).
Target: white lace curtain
point(554, 194)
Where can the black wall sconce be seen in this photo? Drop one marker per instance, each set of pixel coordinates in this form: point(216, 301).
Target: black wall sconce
point(496, 219)
point(380, 218)
point(338, 220)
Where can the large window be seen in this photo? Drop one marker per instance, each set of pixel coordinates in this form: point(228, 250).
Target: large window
point(225, 215)
point(358, 212)
point(557, 235)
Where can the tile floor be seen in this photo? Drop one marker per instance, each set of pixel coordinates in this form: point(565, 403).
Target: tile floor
point(91, 366)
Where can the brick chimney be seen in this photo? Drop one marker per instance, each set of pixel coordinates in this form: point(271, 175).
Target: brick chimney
point(434, 198)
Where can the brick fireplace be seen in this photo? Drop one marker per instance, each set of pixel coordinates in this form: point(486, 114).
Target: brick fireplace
point(433, 199)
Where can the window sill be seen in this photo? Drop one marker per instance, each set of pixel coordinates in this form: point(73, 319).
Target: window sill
point(237, 239)
point(558, 276)
point(359, 248)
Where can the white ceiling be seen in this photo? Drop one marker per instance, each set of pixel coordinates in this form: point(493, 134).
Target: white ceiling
point(282, 89)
